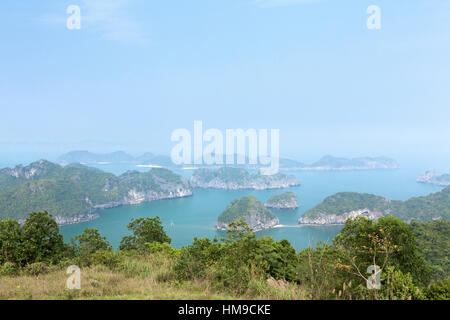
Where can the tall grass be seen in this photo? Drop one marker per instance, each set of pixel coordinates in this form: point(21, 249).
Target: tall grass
point(135, 277)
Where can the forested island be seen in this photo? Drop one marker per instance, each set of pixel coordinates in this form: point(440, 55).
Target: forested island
point(337, 208)
point(251, 211)
point(75, 193)
point(231, 178)
point(286, 200)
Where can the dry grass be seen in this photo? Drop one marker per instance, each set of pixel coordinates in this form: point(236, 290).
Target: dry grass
point(100, 284)
point(134, 279)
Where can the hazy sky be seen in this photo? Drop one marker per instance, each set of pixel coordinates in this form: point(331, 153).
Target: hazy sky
point(138, 69)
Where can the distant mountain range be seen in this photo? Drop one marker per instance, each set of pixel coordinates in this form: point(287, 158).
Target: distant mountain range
point(325, 163)
point(75, 192)
point(86, 157)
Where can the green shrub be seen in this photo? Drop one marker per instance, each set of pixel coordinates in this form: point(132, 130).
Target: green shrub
point(105, 257)
point(257, 287)
point(35, 269)
point(439, 290)
point(396, 285)
point(322, 270)
point(194, 259)
point(91, 248)
point(162, 248)
point(9, 269)
point(226, 278)
point(231, 264)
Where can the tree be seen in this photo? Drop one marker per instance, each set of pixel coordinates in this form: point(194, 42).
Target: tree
point(91, 241)
point(10, 241)
point(41, 240)
point(434, 242)
point(145, 231)
point(319, 269)
point(238, 230)
point(92, 248)
point(388, 241)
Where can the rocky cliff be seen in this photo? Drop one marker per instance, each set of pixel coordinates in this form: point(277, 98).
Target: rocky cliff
point(330, 219)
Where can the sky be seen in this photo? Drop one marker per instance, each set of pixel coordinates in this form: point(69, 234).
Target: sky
point(139, 69)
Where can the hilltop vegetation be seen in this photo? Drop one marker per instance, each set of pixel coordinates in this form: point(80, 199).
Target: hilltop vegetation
point(76, 191)
point(433, 238)
point(286, 200)
point(344, 202)
point(427, 208)
point(238, 266)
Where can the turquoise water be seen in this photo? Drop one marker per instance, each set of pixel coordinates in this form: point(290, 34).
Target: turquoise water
point(195, 216)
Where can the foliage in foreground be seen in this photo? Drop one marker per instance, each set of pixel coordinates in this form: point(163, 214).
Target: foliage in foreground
point(238, 266)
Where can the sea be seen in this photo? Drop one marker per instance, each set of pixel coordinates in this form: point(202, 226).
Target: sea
point(195, 216)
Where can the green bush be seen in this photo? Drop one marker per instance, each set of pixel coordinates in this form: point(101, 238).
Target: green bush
point(105, 257)
point(323, 271)
point(9, 269)
point(91, 248)
point(439, 290)
point(194, 259)
point(162, 248)
point(231, 278)
point(232, 263)
point(257, 287)
point(35, 269)
point(399, 286)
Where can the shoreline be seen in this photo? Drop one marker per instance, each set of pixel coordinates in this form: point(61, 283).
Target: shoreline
point(95, 214)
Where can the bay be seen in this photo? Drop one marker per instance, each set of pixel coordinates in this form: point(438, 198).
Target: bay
point(195, 216)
